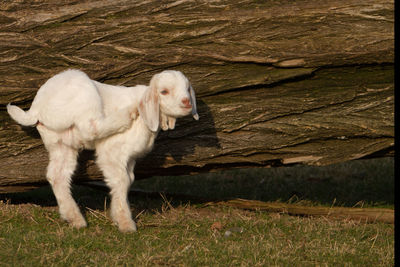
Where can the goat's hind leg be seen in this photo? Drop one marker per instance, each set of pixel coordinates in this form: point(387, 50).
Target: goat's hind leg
point(100, 126)
point(62, 164)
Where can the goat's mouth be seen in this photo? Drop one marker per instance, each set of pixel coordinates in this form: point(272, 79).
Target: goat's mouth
point(186, 110)
point(187, 107)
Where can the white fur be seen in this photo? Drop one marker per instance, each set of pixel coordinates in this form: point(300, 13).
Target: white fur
point(73, 112)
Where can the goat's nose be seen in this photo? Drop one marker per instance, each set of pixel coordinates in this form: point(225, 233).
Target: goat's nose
point(186, 102)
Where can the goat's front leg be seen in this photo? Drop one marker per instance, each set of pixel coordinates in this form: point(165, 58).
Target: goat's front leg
point(120, 210)
point(119, 180)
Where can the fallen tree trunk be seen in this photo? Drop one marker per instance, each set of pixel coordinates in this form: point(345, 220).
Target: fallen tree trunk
point(367, 215)
point(304, 81)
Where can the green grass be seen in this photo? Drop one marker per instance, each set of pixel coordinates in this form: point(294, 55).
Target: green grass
point(180, 233)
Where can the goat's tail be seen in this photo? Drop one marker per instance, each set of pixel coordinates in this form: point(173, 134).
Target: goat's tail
point(25, 118)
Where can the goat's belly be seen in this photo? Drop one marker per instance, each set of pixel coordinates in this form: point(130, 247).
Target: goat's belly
point(69, 137)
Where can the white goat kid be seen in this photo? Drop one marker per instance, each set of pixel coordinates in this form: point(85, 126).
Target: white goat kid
point(73, 112)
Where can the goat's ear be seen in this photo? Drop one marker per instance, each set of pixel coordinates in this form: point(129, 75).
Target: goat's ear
point(193, 101)
point(149, 107)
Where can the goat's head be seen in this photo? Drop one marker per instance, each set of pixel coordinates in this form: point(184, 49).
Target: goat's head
point(169, 96)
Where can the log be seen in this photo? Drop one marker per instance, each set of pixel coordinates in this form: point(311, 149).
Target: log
point(278, 83)
point(366, 215)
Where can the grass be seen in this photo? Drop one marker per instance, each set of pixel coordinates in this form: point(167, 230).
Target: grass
point(179, 233)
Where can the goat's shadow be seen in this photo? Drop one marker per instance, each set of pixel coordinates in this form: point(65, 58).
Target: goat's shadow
point(178, 149)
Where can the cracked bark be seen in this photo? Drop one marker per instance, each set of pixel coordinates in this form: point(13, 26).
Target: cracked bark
point(278, 83)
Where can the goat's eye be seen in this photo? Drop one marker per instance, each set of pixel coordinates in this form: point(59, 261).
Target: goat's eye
point(165, 92)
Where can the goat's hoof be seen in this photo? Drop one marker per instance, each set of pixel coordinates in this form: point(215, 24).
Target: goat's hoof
point(78, 224)
point(76, 221)
point(127, 227)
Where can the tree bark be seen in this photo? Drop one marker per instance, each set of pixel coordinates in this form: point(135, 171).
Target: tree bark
point(278, 82)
